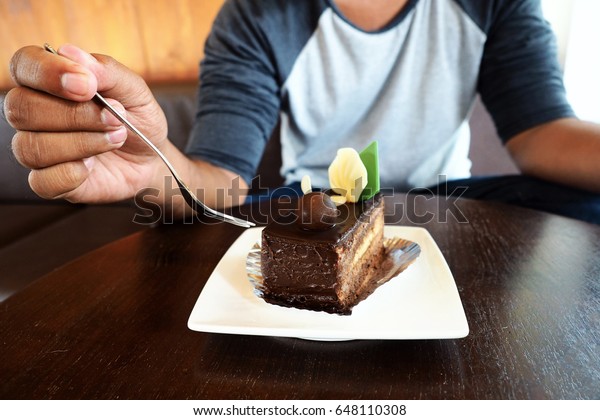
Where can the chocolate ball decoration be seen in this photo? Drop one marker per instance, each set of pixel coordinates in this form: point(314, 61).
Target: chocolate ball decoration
point(316, 211)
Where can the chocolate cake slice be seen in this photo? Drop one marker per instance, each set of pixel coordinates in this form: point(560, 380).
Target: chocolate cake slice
point(329, 269)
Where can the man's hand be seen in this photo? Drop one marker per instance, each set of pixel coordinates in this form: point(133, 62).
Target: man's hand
point(76, 150)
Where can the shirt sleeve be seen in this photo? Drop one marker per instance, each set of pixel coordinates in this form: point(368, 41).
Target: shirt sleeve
point(238, 99)
point(520, 80)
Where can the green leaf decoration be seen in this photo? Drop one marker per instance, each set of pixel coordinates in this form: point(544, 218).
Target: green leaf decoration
point(370, 158)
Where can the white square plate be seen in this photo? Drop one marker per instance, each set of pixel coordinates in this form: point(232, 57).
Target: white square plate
point(422, 302)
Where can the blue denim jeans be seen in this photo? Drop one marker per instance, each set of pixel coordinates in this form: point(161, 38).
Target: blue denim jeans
point(518, 190)
point(526, 191)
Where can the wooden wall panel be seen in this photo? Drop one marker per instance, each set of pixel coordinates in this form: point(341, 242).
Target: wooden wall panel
point(174, 36)
point(163, 40)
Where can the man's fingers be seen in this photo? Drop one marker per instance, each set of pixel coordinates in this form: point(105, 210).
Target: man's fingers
point(38, 69)
point(28, 109)
point(36, 150)
point(114, 80)
point(58, 180)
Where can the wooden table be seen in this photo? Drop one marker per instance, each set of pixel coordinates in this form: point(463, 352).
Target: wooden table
point(112, 324)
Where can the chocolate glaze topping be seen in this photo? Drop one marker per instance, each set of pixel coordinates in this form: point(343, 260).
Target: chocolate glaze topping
point(287, 225)
point(316, 211)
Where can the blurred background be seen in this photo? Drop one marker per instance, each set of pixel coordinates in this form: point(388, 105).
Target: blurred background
point(576, 24)
point(163, 40)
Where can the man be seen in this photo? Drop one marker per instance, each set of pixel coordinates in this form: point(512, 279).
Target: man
point(337, 74)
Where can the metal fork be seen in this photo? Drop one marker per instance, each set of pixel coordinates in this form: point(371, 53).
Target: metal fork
point(189, 197)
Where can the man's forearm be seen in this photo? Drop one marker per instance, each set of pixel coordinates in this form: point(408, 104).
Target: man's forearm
point(565, 151)
point(216, 187)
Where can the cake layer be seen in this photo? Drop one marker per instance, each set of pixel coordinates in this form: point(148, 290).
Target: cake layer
point(323, 270)
point(360, 260)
